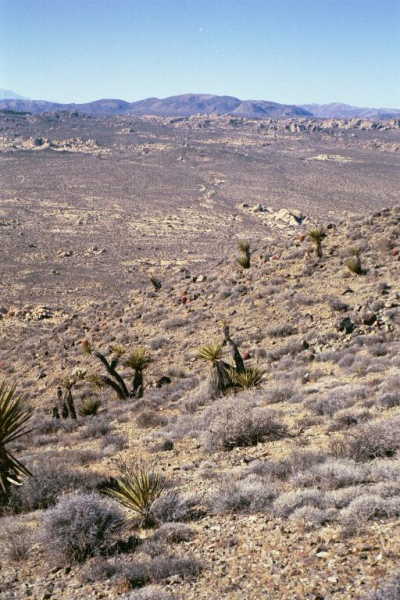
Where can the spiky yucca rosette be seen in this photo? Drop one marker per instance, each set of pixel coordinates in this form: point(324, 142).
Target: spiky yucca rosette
point(13, 417)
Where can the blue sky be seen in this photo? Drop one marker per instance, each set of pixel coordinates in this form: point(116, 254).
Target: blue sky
point(292, 51)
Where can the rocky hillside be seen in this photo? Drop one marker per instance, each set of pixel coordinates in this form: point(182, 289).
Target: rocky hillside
point(283, 480)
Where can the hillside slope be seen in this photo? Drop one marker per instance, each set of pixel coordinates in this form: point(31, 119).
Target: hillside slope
point(290, 488)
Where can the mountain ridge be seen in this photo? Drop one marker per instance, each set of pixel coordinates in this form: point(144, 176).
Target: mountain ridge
point(186, 105)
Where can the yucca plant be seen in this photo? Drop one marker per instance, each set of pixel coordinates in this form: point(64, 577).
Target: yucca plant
point(66, 398)
point(137, 492)
point(137, 360)
point(89, 407)
point(212, 352)
point(249, 378)
point(219, 379)
point(354, 264)
point(316, 236)
point(244, 246)
point(244, 258)
point(13, 417)
point(244, 261)
point(237, 357)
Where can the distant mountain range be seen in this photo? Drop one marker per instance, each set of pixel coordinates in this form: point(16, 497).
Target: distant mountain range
point(186, 105)
point(5, 94)
point(346, 111)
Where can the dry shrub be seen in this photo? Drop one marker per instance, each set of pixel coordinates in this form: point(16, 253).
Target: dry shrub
point(79, 526)
point(234, 423)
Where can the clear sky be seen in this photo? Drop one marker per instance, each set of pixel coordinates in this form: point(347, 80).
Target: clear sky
point(291, 51)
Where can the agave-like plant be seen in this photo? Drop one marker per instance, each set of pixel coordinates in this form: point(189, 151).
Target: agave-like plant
point(249, 378)
point(316, 236)
point(13, 416)
point(137, 492)
point(212, 352)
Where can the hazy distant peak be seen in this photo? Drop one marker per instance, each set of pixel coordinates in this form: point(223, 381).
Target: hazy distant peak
point(5, 94)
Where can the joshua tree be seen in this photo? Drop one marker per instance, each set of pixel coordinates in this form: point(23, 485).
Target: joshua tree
point(237, 357)
point(316, 236)
point(137, 360)
point(219, 379)
point(13, 417)
point(220, 373)
point(65, 402)
point(68, 404)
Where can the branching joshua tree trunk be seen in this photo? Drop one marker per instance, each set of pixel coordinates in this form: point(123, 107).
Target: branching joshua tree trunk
point(119, 384)
point(237, 357)
point(137, 360)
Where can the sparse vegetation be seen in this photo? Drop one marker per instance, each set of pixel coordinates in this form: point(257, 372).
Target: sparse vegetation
point(292, 434)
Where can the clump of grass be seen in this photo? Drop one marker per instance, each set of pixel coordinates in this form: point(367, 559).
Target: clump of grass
point(18, 542)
